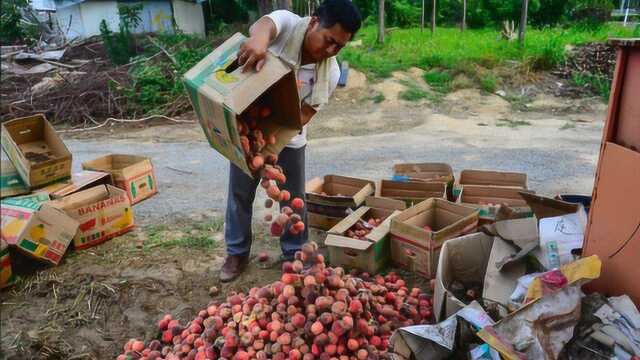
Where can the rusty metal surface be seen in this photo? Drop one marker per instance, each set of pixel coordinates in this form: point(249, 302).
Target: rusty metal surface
point(613, 232)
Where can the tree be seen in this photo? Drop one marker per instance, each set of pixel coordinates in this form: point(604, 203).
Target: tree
point(264, 7)
point(284, 4)
point(433, 17)
point(381, 21)
point(463, 25)
point(422, 17)
point(523, 21)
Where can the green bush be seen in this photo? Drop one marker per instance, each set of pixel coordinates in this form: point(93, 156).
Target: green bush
point(13, 31)
point(440, 81)
point(489, 83)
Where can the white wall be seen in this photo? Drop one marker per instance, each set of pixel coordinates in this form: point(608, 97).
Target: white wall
point(93, 12)
point(189, 17)
point(69, 19)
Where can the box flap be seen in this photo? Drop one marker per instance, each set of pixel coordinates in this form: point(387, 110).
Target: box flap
point(349, 221)
point(544, 207)
point(345, 242)
point(385, 203)
point(522, 233)
point(500, 282)
point(82, 198)
point(464, 259)
point(11, 184)
point(382, 230)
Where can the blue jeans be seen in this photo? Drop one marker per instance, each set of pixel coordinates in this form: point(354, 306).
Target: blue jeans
point(242, 192)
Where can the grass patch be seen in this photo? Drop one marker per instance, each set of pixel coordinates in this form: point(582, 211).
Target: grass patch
point(413, 92)
point(512, 123)
point(450, 49)
point(194, 236)
point(489, 83)
point(377, 98)
point(439, 81)
point(518, 102)
point(600, 84)
point(568, 125)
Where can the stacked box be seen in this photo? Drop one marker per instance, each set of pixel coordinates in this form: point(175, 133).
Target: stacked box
point(412, 192)
point(134, 174)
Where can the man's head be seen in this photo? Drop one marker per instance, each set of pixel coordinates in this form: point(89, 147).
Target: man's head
point(333, 24)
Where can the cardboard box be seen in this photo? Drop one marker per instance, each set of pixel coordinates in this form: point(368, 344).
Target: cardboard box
point(411, 192)
point(493, 178)
point(370, 255)
point(11, 184)
point(329, 198)
point(471, 259)
point(134, 174)
point(220, 91)
point(103, 212)
point(79, 181)
point(36, 150)
point(488, 200)
point(6, 274)
point(431, 172)
point(417, 249)
point(37, 229)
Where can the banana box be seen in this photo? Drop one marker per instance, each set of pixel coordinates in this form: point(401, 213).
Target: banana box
point(131, 173)
point(6, 276)
point(220, 93)
point(36, 228)
point(11, 184)
point(103, 213)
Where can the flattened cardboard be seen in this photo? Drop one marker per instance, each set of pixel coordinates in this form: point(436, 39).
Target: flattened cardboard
point(613, 232)
point(11, 184)
point(36, 150)
point(39, 230)
point(411, 192)
point(219, 91)
point(134, 174)
point(103, 213)
point(417, 249)
point(16, 213)
point(370, 255)
point(79, 181)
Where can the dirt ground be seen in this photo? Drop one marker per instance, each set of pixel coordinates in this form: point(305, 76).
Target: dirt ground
point(88, 307)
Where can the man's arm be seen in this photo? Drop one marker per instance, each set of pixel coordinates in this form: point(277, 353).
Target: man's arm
point(306, 113)
point(254, 50)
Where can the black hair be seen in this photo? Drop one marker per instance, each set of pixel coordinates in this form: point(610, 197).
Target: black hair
point(342, 12)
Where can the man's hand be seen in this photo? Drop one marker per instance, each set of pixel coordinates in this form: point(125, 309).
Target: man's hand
point(253, 52)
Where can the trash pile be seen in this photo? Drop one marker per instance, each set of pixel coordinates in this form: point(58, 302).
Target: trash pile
point(591, 60)
point(74, 84)
point(45, 209)
point(312, 312)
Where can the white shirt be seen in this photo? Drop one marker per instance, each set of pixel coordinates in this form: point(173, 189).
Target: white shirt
point(285, 22)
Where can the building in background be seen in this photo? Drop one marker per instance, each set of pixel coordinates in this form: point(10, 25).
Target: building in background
point(82, 18)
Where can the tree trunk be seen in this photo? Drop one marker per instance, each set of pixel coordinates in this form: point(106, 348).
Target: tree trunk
point(264, 7)
point(381, 21)
point(433, 17)
point(463, 26)
point(422, 17)
point(523, 21)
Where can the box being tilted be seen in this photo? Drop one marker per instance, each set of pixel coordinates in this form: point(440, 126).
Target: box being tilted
point(220, 92)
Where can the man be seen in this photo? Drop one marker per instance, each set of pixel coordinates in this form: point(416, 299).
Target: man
point(309, 45)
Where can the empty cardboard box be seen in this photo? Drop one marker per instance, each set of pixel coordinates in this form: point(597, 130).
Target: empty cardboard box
point(430, 172)
point(329, 198)
point(417, 233)
point(79, 181)
point(220, 91)
point(36, 150)
point(373, 253)
point(493, 178)
point(103, 212)
point(411, 192)
point(134, 174)
point(37, 229)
